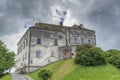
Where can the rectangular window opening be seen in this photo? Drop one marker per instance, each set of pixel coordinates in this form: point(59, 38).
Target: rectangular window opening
point(55, 42)
point(82, 41)
point(38, 41)
point(38, 54)
point(52, 54)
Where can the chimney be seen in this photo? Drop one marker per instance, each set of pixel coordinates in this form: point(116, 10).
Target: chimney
point(61, 23)
point(81, 26)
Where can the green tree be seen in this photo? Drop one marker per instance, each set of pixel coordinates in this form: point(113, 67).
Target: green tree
point(89, 55)
point(113, 57)
point(82, 52)
point(6, 58)
point(45, 74)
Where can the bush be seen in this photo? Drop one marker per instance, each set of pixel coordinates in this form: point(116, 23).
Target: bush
point(113, 57)
point(89, 55)
point(45, 74)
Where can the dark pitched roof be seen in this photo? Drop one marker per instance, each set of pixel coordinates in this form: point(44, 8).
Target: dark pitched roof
point(59, 27)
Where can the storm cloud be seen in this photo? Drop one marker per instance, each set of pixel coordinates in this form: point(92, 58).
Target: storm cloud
point(102, 16)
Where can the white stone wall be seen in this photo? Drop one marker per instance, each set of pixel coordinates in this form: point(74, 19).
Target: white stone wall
point(46, 55)
point(82, 34)
point(23, 52)
point(47, 45)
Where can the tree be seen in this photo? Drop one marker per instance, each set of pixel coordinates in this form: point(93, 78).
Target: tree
point(82, 52)
point(45, 74)
point(88, 55)
point(6, 58)
point(113, 57)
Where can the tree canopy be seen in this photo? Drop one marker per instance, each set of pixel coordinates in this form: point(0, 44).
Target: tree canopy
point(88, 55)
point(6, 58)
point(113, 57)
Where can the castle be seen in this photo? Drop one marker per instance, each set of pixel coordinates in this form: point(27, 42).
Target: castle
point(45, 43)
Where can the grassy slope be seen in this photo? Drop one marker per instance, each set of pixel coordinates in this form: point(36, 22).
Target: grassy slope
point(6, 77)
point(67, 70)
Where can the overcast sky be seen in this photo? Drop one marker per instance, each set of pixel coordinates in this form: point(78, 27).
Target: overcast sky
point(103, 16)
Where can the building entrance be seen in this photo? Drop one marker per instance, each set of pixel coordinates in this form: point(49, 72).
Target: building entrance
point(67, 53)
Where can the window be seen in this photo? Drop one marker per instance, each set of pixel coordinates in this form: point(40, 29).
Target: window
point(23, 44)
point(82, 33)
point(88, 34)
point(89, 41)
point(21, 47)
point(75, 39)
point(38, 41)
point(55, 42)
point(55, 35)
point(23, 58)
point(25, 55)
point(38, 54)
point(52, 54)
point(26, 42)
point(82, 41)
point(31, 61)
point(75, 33)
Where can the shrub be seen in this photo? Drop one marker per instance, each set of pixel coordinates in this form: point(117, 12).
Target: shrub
point(45, 74)
point(89, 55)
point(113, 57)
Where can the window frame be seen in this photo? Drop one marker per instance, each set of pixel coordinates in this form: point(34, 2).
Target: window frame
point(56, 42)
point(89, 41)
point(52, 54)
point(38, 54)
point(82, 41)
point(38, 41)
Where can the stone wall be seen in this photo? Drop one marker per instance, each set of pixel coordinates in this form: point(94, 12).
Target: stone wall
point(50, 51)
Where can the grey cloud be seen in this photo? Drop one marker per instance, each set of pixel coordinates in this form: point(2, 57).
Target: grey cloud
point(103, 16)
point(15, 12)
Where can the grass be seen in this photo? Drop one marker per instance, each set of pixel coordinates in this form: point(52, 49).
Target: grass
point(67, 70)
point(94, 73)
point(6, 77)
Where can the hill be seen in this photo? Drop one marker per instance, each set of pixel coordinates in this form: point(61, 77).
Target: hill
point(67, 70)
point(6, 77)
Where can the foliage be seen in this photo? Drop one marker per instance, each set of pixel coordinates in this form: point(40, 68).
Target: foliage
point(45, 74)
point(89, 55)
point(80, 51)
point(6, 58)
point(113, 57)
